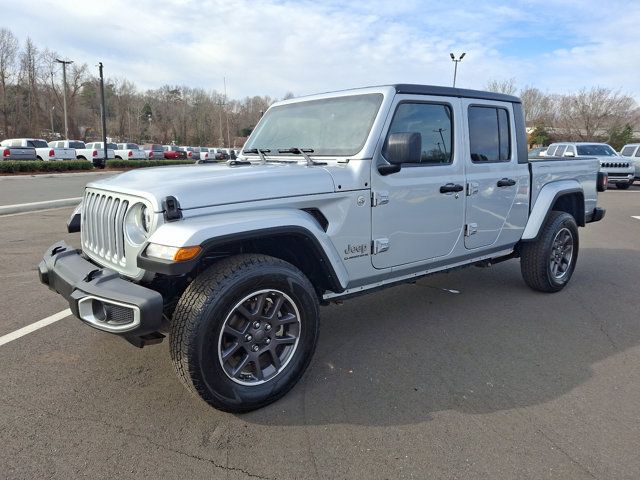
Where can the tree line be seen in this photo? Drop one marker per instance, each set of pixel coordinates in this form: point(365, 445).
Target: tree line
point(31, 104)
point(588, 115)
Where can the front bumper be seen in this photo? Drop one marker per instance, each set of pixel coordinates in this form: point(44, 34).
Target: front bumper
point(101, 297)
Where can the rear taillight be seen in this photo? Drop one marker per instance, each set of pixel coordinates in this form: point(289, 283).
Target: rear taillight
point(6, 152)
point(190, 154)
point(603, 180)
point(206, 155)
point(95, 153)
point(51, 153)
point(130, 153)
point(150, 154)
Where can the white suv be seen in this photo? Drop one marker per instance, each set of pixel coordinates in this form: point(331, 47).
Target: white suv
point(631, 152)
point(621, 172)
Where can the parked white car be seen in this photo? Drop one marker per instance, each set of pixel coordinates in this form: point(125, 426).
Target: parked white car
point(631, 152)
point(82, 151)
point(43, 150)
point(130, 151)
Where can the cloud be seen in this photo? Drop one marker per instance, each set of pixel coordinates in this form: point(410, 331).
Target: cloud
point(271, 47)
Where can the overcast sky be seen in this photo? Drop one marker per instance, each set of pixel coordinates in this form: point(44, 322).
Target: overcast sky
point(269, 47)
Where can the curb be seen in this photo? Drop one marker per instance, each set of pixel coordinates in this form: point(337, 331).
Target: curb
point(36, 206)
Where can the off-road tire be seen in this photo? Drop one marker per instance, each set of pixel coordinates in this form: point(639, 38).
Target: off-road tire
point(202, 311)
point(535, 256)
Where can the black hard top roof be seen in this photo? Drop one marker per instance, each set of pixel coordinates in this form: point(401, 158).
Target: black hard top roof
point(412, 89)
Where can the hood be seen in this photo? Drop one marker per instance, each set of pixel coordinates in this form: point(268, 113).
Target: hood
point(209, 185)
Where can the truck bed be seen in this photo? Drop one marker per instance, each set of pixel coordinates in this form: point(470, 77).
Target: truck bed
point(545, 170)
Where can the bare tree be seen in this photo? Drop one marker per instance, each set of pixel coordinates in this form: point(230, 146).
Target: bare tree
point(507, 86)
point(8, 53)
point(589, 114)
point(538, 107)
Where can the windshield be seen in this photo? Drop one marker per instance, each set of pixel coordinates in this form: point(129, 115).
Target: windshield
point(333, 126)
point(599, 150)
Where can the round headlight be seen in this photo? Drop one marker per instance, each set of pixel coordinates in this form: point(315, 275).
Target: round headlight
point(138, 224)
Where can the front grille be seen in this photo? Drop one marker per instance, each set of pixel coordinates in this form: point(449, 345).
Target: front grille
point(103, 226)
point(615, 165)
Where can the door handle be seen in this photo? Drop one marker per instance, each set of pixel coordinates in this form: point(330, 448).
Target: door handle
point(506, 182)
point(451, 188)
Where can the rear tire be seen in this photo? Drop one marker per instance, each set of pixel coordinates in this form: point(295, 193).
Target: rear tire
point(244, 332)
point(547, 263)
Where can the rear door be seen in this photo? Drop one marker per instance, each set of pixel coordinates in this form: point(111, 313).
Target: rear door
point(494, 176)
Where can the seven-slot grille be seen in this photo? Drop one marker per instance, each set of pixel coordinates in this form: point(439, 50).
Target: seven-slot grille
point(103, 226)
point(615, 164)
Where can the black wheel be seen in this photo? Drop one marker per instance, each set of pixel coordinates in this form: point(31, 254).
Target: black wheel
point(623, 185)
point(244, 331)
point(548, 262)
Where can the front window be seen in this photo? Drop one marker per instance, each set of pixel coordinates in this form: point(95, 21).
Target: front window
point(596, 150)
point(332, 126)
point(434, 123)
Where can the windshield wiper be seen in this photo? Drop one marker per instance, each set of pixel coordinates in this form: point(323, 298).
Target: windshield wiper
point(303, 152)
point(259, 151)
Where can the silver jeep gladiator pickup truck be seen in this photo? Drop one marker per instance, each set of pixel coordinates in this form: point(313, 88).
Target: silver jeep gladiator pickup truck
point(333, 195)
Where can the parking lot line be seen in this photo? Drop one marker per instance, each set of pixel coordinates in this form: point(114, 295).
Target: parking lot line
point(10, 337)
point(636, 217)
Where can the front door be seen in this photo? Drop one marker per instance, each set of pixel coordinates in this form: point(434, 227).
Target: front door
point(494, 176)
point(418, 212)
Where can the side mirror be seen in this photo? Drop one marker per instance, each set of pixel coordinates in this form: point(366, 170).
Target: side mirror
point(569, 154)
point(402, 147)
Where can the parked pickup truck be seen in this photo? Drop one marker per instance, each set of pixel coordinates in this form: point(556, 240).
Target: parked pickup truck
point(130, 151)
point(82, 152)
point(43, 150)
point(333, 195)
point(111, 149)
point(16, 152)
point(174, 152)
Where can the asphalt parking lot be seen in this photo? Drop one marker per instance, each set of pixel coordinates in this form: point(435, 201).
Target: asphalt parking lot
point(418, 381)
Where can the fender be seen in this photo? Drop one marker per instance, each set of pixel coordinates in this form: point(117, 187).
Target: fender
point(545, 201)
point(209, 231)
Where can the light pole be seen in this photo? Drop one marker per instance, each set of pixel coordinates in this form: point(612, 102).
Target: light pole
point(64, 95)
point(51, 117)
point(103, 115)
point(455, 69)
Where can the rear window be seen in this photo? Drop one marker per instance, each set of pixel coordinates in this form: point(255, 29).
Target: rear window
point(133, 146)
point(76, 145)
point(37, 144)
point(112, 146)
point(489, 134)
point(627, 151)
point(157, 148)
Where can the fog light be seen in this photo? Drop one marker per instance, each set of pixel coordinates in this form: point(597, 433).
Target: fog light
point(99, 310)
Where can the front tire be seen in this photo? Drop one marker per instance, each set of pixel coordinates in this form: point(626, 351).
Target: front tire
point(624, 185)
point(244, 332)
point(547, 263)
